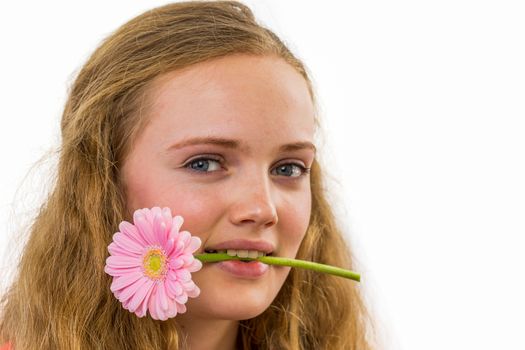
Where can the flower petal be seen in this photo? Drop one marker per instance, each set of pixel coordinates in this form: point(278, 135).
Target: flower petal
point(151, 303)
point(125, 280)
point(185, 237)
point(194, 292)
point(160, 312)
point(194, 244)
point(187, 258)
point(182, 298)
point(172, 309)
point(122, 261)
point(143, 308)
point(183, 275)
point(114, 249)
point(195, 266)
point(181, 308)
point(174, 232)
point(177, 222)
point(148, 214)
point(137, 299)
point(157, 308)
point(188, 285)
point(143, 226)
point(154, 212)
point(177, 249)
point(116, 271)
point(163, 298)
point(168, 247)
point(131, 232)
point(130, 290)
point(169, 292)
point(175, 287)
point(159, 229)
point(127, 243)
point(168, 218)
point(176, 263)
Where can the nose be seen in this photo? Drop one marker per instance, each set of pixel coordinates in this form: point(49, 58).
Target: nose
point(253, 203)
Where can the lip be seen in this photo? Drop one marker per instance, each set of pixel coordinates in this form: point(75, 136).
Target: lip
point(244, 244)
point(246, 270)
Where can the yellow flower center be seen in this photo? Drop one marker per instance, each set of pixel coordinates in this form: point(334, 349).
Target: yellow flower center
point(154, 264)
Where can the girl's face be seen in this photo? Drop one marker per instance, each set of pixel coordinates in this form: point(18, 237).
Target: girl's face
point(224, 147)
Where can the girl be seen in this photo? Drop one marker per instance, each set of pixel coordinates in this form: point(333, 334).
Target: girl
point(196, 107)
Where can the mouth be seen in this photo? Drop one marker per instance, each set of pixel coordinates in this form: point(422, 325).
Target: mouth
point(241, 253)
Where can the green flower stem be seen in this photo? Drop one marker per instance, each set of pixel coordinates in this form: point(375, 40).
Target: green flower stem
point(274, 260)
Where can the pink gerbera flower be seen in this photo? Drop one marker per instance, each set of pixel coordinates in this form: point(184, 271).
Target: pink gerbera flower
point(151, 264)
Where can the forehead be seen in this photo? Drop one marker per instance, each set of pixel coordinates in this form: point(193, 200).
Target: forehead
point(259, 98)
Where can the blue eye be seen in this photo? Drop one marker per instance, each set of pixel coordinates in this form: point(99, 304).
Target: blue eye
point(292, 170)
point(204, 164)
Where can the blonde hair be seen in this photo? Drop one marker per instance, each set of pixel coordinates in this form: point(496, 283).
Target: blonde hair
point(61, 298)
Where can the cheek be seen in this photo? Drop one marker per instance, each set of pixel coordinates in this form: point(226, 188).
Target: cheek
point(199, 212)
point(198, 208)
point(297, 221)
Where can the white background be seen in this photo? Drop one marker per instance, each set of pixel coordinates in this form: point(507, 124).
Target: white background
point(423, 105)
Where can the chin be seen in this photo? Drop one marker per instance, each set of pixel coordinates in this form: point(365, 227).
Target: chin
point(223, 297)
point(240, 304)
point(236, 315)
point(248, 312)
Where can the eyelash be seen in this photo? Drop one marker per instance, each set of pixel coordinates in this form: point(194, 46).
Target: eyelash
point(304, 170)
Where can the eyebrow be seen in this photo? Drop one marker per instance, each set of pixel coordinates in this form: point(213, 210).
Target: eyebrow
point(236, 144)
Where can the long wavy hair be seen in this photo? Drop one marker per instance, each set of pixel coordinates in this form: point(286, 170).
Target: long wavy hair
point(61, 298)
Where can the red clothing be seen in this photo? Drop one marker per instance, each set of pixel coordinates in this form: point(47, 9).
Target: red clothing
point(6, 346)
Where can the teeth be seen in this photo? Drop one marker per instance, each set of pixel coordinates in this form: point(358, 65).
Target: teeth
point(241, 253)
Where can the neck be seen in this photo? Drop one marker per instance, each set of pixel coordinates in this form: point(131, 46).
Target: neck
point(205, 334)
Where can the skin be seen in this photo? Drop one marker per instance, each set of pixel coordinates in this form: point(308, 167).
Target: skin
point(264, 103)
